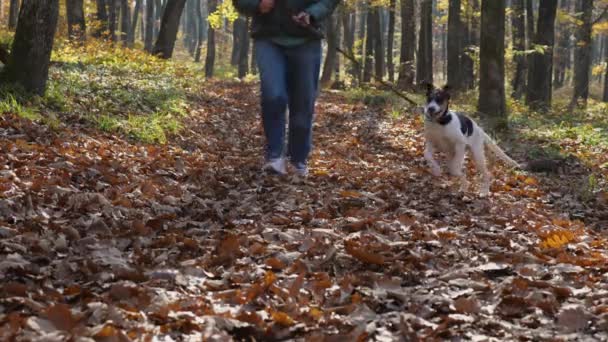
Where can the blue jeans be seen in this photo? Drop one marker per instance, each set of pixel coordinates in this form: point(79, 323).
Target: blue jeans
point(289, 78)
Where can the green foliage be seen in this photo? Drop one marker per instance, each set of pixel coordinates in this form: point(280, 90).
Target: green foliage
point(225, 10)
point(10, 105)
point(114, 89)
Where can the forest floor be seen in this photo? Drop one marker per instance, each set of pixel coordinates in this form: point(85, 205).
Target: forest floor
point(115, 239)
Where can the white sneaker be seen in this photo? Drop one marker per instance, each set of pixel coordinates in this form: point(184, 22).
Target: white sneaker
point(301, 169)
point(277, 166)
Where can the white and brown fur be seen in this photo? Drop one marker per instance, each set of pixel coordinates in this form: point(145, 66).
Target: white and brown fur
point(451, 133)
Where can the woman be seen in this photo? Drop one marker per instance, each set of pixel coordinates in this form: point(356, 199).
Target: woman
point(287, 36)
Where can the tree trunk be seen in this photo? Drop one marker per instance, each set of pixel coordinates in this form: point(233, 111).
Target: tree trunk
point(519, 46)
point(605, 97)
point(349, 24)
point(210, 59)
point(168, 28)
point(125, 23)
point(582, 53)
point(562, 48)
point(149, 34)
point(133, 28)
point(369, 47)
point(390, 54)
point(254, 66)
point(454, 45)
point(492, 103)
point(13, 14)
point(408, 44)
point(243, 67)
point(530, 33)
point(75, 17)
point(113, 18)
point(160, 9)
point(330, 59)
point(424, 67)
point(29, 62)
point(102, 17)
point(470, 43)
point(236, 43)
point(362, 32)
point(190, 27)
point(378, 44)
point(539, 86)
point(201, 31)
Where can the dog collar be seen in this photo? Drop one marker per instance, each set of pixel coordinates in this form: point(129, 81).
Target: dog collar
point(445, 118)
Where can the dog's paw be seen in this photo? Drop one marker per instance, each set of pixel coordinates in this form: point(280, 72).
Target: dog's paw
point(436, 171)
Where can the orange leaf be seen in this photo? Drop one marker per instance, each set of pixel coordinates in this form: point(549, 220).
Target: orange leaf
point(275, 264)
point(107, 331)
point(362, 255)
point(269, 278)
point(282, 318)
point(350, 194)
point(61, 317)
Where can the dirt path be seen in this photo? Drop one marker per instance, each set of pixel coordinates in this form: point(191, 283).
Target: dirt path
point(104, 238)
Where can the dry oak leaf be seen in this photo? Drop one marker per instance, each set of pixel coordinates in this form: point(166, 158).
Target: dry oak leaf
point(359, 253)
point(282, 318)
point(61, 316)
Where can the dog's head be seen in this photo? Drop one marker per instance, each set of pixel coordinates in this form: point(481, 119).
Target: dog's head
point(437, 101)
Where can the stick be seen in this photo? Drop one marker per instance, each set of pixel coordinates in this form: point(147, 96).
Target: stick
point(380, 80)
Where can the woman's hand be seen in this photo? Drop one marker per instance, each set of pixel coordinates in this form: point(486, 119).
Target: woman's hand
point(266, 6)
point(302, 19)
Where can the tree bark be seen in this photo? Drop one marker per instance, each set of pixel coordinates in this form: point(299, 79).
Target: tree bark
point(582, 53)
point(605, 97)
point(76, 22)
point(201, 31)
point(13, 14)
point(562, 48)
point(133, 28)
point(530, 33)
point(378, 45)
point(518, 27)
point(102, 17)
point(349, 24)
point(408, 45)
point(160, 9)
point(390, 53)
point(149, 32)
point(369, 47)
point(243, 66)
point(125, 23)
point(236, 44)
point(168, 28)
point(424, 68)
point(470, 43)
point(113, 18)
point(454, 45)
point(190, 28)
point(492, 103)
point(539, 86)
point(210, 58)
point(330, 59)
point(29, 62)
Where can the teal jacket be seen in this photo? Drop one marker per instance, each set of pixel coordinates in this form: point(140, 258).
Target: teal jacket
point(278, 22)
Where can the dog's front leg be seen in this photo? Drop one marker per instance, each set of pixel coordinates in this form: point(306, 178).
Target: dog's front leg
point(456, 166)
point(428, 155)
point(480, 162)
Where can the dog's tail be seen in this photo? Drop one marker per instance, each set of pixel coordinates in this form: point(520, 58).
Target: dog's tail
point(499, 152)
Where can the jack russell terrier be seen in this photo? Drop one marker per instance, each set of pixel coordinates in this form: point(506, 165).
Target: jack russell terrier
point(451, 133)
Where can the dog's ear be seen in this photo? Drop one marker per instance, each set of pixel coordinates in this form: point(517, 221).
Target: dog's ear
point(429, 87)
point(447, 90)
